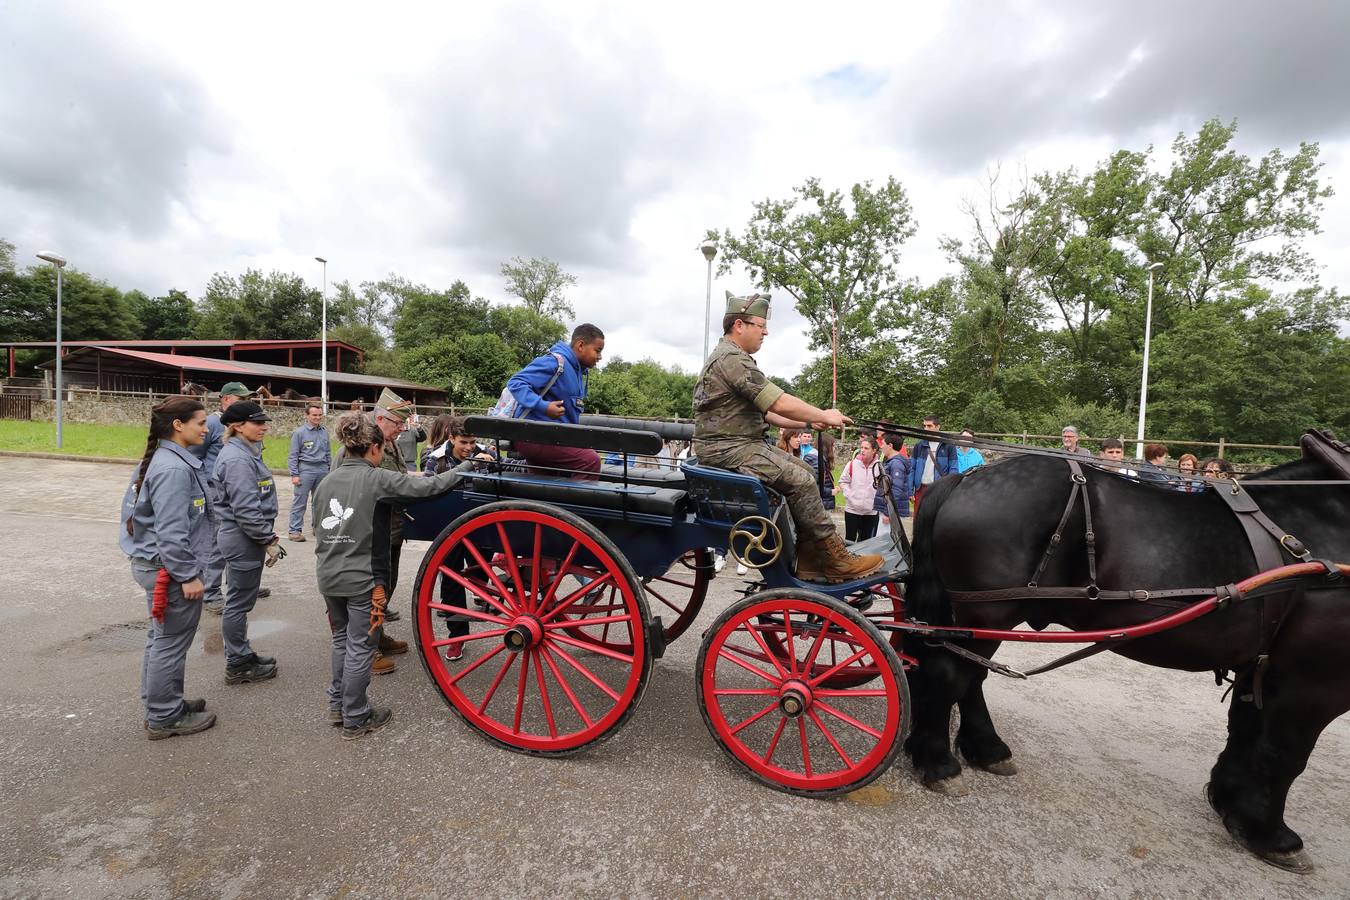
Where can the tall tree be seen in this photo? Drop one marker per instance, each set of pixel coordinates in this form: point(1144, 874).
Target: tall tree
point(254, 305)
point(472, 368)
point(171, 317)
point(425, 315)
point(542, 284)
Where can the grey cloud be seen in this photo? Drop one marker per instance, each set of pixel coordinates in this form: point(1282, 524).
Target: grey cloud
point(551, 145)
point(93, 129)
point(995, 79)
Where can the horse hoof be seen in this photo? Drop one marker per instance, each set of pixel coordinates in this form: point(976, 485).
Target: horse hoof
point(1297, 862)
point(955, 786)
point(1004, 767)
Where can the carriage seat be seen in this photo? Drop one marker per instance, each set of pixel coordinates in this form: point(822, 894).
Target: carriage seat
point(658, 478)
point(639, 498)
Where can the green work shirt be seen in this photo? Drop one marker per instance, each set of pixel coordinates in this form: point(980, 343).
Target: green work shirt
point(731, 398)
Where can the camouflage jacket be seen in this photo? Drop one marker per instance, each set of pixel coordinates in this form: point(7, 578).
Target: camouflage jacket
point(731, 398)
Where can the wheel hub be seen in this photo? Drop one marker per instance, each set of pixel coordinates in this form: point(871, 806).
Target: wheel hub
point(525, 632)
point(794, 699)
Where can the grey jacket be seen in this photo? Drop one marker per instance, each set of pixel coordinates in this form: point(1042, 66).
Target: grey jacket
point(209, 450)
point(245, 502)
point(310, 451)
point(170, 515)
point(353, 507)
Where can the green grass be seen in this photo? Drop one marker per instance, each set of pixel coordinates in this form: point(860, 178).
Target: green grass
point(81, 439)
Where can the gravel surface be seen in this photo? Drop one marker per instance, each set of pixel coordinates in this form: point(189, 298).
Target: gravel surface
point(271, 802)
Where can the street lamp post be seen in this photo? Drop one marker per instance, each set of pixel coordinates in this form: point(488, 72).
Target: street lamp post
point(709, 249)
point(323, 341)
point(60, 263)
point(1143, 384)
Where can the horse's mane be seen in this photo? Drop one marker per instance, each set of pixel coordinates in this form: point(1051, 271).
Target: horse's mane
point(1297, 470)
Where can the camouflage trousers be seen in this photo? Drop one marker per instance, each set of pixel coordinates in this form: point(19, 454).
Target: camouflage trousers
point(786, 474)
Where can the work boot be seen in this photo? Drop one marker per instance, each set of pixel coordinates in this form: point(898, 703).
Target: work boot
point(296, 536)
point(335, 717)
point(391, 647)
point(250, 671)
point(215, 606)
point(383, 665)
point(262, 660)
point(377, 719)
point(392, 615)
point(264, 593)
point(187, 723)
point(189, 706)
point(830, 561)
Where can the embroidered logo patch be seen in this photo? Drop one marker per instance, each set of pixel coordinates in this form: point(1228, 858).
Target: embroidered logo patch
point(339, 515)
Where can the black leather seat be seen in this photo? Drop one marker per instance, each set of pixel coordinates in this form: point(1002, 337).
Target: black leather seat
point(655, 501)
point(661, 478)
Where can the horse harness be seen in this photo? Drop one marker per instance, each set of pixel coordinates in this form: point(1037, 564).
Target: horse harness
point(1267, 540)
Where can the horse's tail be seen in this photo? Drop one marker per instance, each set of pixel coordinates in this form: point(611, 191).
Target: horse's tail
point(926, 598)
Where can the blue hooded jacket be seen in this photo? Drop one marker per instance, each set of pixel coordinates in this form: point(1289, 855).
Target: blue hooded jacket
point(570, 387)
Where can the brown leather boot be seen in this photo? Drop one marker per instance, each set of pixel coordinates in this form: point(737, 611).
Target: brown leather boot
point(383, 665)
point(830, 561)
point(391, 647)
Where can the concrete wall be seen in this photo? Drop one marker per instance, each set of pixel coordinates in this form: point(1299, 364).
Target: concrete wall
point(129, 411)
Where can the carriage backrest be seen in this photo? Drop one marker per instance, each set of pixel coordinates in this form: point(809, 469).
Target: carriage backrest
point(720, 497)
point(559, 434)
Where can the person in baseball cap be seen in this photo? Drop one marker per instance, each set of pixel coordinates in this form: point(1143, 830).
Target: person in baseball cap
point(243, 411)
point(235, 389)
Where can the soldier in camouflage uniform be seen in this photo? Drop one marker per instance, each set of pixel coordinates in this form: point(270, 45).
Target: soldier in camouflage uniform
point(734, 405)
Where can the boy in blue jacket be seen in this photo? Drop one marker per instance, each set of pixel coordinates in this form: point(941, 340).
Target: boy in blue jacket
point(552, 388)
point(898, 467)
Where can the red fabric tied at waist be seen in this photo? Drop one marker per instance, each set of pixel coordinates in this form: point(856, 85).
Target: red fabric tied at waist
point(161, 596)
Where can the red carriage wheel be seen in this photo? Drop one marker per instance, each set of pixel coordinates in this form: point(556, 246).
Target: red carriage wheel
point(527, 680)
point(881, 604)
point(783, 720)
point(677, 596)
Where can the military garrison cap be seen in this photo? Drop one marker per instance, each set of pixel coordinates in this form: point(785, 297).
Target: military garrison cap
point(393, 406)
point(751, 305)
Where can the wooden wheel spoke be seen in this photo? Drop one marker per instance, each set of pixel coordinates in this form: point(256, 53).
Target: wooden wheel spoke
point(520, 690)
point(791, 646)
point(464, 639)
point(746, 723)
point(848, 763)
point(754, 633)
point(510, 660)
point(668, 580)
point(581, 623)
point(773, 743)
point(465, 611)
point(534, 567)
point(586, 673)
point(837, 666)
point(559, 576)
point(511, 566)
point(592, 647)
point(482, 659)
point(724, 654)
point(806, 751)
point(543, 694)
point(594, 585)
point(662, 598)
point(491, 574)
point(566, 688)
point(847, 719)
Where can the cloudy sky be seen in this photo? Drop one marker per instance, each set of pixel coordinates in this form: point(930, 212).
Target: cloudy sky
point(154, 144)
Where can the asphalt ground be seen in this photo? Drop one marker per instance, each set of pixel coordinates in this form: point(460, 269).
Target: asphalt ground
point(271, 803)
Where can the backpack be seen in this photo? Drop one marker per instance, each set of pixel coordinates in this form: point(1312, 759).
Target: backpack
point(506, 405)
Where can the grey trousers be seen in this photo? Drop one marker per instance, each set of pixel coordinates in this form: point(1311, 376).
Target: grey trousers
point(309, 480)
point(240, 596)
point(166, 648)
point(353, 654)
point(214, 573)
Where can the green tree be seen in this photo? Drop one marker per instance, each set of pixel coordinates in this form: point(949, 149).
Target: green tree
point(645, 388)
point(6, 256)
point(525, 331)
point(542, 284)
point(836, 257)
point(425, 316)
point(472, 368)
point(171, 317)
point(258, 306)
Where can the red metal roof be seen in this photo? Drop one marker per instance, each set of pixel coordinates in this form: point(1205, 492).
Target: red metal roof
point(269, 344)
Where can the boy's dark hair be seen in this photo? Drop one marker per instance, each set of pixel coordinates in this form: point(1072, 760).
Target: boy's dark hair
point(934, 419)
point(587, 333)
point(1113, 444)
point(895, 441)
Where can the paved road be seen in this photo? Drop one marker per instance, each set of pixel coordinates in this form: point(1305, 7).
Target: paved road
point(270, 802)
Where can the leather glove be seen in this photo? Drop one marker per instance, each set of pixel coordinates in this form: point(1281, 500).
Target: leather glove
point(378, 599)
point(275, 552)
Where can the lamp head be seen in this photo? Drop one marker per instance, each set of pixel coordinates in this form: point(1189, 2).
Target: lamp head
point(321, 259)
point(709, 250)
point(1156, 265)
point(53, 258)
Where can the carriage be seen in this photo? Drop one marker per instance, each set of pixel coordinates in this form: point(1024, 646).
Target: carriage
point(574, 588)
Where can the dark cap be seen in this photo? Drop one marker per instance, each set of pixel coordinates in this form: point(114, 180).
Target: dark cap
point(243, 411)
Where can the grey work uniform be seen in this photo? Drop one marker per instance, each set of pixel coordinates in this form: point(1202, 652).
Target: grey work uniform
point(730, 432)
point(354, 511)
point(245, 501)
point(309, 460)
point(171, 526)
point(208, 451)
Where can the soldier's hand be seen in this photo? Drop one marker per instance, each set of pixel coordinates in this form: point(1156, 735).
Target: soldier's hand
point(832, 418)
point(556, 410)
point(193, 590)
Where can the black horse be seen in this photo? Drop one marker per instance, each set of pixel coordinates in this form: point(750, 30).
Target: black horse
point(989, 528)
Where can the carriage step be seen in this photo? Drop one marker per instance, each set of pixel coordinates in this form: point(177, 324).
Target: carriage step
point(657, 636)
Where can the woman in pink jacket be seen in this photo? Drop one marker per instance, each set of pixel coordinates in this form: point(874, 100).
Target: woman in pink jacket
point(857, 483)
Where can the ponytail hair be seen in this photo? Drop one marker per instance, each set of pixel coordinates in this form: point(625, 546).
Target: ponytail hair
point(357, 433)
point(162, 417)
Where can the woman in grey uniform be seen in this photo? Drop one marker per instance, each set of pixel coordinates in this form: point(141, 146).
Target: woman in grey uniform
point(246, 510)
point(167, 535)
point(352, 515)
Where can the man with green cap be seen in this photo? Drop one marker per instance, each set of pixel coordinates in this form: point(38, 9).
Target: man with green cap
point(734, 405)
point(391, 417)
point(207, 451)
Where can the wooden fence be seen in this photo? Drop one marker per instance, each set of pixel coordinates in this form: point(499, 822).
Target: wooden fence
point(16, 407)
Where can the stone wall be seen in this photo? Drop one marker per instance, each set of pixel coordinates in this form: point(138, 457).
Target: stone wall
point(133, 411)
